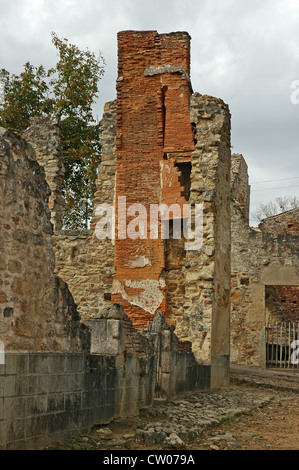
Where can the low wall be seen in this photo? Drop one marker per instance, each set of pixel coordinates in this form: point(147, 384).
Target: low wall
point(259, 259)
point(179, 374)
point(46, 397)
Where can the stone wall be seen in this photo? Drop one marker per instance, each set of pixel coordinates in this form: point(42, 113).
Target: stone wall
point(44, 135)
point(177, 371)
point(37, 312)
point(205, 321)
point(47, 397)
point(61, 376)
point(78, 257)
point(164, 367)
point(262, 258)
point(286, 222)
point(190, 165)
point(188, 162)
point(240, 189)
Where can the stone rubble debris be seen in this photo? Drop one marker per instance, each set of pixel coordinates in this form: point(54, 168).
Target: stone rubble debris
point(188, 418)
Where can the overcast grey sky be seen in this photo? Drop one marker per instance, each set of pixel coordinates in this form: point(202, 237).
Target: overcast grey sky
point(243, 51)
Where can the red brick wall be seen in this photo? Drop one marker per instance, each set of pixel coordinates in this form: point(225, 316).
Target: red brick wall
point(282, 303)
point(153, 130)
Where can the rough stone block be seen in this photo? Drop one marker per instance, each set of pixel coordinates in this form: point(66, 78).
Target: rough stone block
point(55, 402)
point(14, 407)
point(10, 386)
point(105, 336)
point(36, 405)
point(16, 363)
point(220, 371)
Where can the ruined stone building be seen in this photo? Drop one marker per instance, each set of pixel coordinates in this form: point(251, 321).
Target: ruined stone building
point(95, 328)
point(265, 272)
point(161, 144)
point(193, 166)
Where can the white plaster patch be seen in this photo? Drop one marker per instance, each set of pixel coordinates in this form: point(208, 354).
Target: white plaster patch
point(139, 262)
point(149, 299)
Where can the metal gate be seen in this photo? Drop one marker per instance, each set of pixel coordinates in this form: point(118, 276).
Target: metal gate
point(282, 344)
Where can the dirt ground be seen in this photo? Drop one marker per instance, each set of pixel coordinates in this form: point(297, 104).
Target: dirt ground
point(275, 426)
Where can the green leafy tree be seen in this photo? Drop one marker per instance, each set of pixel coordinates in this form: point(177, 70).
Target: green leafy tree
point(23, 96)
point(67, 91)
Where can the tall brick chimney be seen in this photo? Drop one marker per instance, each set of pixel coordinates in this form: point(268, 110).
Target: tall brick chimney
point(154, 136)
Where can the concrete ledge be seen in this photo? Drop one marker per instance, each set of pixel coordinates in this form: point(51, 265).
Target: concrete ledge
point(220, 371)
point(45, 396)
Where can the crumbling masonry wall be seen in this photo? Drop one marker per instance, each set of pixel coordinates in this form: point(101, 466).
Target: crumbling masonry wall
point(282, 224)
point(47, 397)
point(44, 135)
point(36, 309)
point(207, 272)
point(161, 144)
point(240, 189)
point(263, 258)
point(153, 134)
point(61, 376)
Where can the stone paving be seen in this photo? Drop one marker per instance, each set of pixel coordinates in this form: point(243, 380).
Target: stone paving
point(183, 423)
point(187, 418)
point(173, 424)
